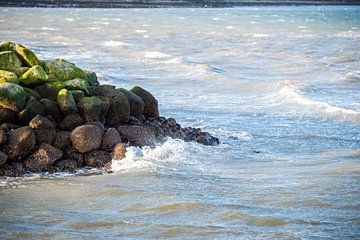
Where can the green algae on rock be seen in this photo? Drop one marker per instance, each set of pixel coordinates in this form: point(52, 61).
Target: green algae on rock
point(6, 76)
point(28, 57)
point(62, 70)
point(7, 46)
point(66, 102)
point(50, 90)
point(78, 84)
point(34, 76)
point(12, 96)
point(32, 108)
point(9, 60)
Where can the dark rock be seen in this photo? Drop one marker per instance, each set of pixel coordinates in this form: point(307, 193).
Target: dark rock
point(32, 93)
point(51, 108)
point(62, 139)
point(3, 137)
point(151, 109)
point(21, 142)
point(43, 158)
point(44, 129)
point(137, 135)
point(135, 102)
point(71, 153)
point(86, 138)
point(14, 169)
point(90, 108)
point(3, 158)
point(97, 124)
point(32, 108)
point(111, 137)
point(70, 122)
point(77, 94)
point(105, 106)
point(98, 158)
point(119, 151)
point(50, 90)
point(66, 102)
point(104, 90)
point(119, 111)
point(8, 126)
point(7, 115)
point(91, 78)
point(66, 165)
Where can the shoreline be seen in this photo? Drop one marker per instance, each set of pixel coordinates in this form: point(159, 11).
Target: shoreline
point(167, 4)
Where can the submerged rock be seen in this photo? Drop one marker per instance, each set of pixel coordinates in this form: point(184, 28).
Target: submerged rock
point(66, 165)
point(86, 138)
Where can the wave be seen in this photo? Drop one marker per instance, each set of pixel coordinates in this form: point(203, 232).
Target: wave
point(112, 43)
point(156, 54)
point(137, 159)
point(291, 95)
point(351, 77)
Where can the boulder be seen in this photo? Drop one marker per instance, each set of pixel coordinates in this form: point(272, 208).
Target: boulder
point(32, 108)
point(50, 90)
point(8, 126)
point(12, 97)
point(136, 103)
point(62, 139)
point(110, 139)
point(78, 84)
point(3, 137)
point(66, 102)
point(20, 71)
point(105, 106)
point(62, 70)
point(27, 56)
point(9, 60)
point(78, 95)
point(70, 122)
point(104, 90)
point(3, 158)
point(119, 151)
point(137, 135)
point(90, 108)
point(151, 109)
point(91, 78)
point(71, 153)
point(14, 169)
point(34, 76)
point(97, 124)
point(31, 93)
point(7, 115)
point(44, 129)
point(6, 76)
point(51, 108)
point(21, 142)
point(43, 158)
point(66, 165)
point(98, 158)
point(7, 46)
point(86, 138)
point(119, 111)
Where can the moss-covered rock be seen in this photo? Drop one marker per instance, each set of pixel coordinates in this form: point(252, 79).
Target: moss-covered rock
point(9, 60)
point(151, 109)
point(91, 78)
point(77, 94)
point(136, 103)
point(62, 70)
point(66, 102)
point(20, 71)
point(32, 93)
point(78, 84)
point(91, 108)
point(12, 96)
point(119, 111)
point(34, 76)
point(105, 90)
point(50, 90)
point(6, 76)
point(7, 46)
point(32, 108)
point(27, 56)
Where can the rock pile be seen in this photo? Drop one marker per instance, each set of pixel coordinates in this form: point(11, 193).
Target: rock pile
point(54, 116)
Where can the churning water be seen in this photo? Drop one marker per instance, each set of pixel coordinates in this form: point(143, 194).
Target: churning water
point(280, 87)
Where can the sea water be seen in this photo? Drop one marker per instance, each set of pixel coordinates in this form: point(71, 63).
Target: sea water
point(279, 86)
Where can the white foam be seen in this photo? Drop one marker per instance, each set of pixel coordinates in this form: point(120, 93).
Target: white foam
point(70, 19)
point(112, 43)
point(229, 27)
point(291, 95)
point(150, 157)
point(156, 54)
point(49, 28)
point(140, 31)
point(216, 19)
point(260, 35)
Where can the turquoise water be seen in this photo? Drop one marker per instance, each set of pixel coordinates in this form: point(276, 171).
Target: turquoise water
point(278, 85)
